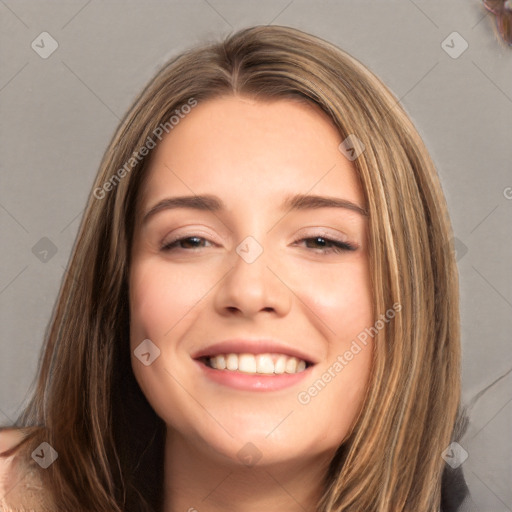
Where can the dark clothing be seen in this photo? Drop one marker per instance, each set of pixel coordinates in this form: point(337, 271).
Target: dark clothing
point(453, 490)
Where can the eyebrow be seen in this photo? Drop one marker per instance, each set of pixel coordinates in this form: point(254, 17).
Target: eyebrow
point(213, 203)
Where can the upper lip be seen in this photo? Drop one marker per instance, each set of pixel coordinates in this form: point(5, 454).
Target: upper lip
point(252, 346)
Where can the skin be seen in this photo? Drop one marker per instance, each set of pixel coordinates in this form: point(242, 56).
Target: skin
point(251, 154)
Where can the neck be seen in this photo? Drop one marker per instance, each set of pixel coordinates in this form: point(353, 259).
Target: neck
point(198, 481)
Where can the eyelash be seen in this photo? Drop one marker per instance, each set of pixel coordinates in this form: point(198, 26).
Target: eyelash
point(336, 246)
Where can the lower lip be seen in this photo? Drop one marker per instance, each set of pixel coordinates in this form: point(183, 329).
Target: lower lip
point(253, 382)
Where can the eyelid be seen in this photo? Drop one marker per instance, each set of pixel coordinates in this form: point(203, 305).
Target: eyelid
point(189, 232)
point(334, 235)
point(196, 232)
point(337, 244)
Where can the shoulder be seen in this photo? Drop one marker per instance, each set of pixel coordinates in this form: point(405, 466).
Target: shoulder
point(20, 482)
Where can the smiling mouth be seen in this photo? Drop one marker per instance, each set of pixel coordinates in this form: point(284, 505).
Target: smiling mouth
point(256, 364)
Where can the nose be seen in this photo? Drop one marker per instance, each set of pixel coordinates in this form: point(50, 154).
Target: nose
point(251, 287)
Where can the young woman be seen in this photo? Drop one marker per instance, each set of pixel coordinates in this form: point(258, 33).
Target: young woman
point(261, 307)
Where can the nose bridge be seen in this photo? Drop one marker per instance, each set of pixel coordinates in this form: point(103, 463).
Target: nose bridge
point(250, 275)
point(251, 286)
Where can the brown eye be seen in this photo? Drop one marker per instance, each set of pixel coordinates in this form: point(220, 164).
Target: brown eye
point(186, 243)
point(328, 245)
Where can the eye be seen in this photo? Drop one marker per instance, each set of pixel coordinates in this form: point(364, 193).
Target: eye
point(328, 245)
point(323, 244)
point(181, 243)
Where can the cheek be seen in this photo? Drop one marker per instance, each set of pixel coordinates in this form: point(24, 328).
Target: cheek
point(162, 301)
point(341, 297)
point(340, 302)
point(159, 297)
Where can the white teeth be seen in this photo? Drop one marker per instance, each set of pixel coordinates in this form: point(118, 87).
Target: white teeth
point(291, 365)
point(231, 362)
point(221, 362)
point(280, 364)
point(246, 363)
point(266, 364)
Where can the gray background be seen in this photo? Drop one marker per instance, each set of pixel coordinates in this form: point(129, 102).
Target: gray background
point(58, 114)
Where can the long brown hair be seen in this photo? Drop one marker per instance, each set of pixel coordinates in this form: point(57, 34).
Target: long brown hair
point(86, 403)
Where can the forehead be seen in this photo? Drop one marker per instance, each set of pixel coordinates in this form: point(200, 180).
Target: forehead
point(251, 151)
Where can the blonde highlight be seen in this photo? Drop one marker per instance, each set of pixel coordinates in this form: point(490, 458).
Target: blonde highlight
point(391, 461)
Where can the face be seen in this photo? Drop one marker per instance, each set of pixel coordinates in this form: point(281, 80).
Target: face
point(250, 301)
